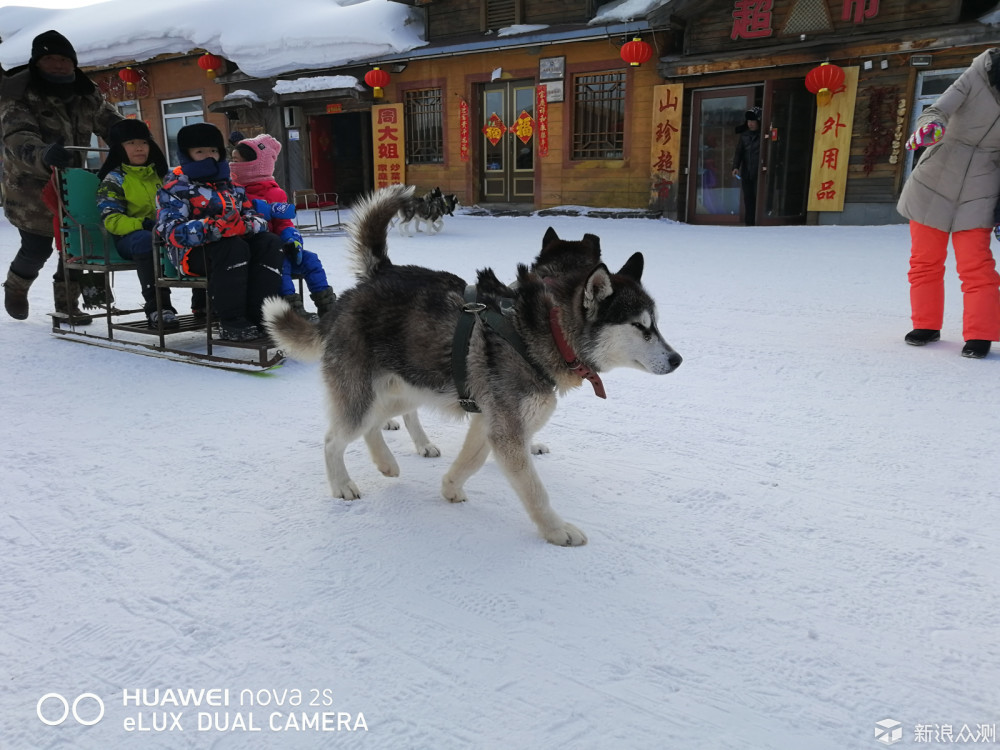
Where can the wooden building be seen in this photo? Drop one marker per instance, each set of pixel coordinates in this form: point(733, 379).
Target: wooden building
point(528, 104)
point(741, 53)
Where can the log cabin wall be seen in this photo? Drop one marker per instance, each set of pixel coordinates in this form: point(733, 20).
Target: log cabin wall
point(946, 32)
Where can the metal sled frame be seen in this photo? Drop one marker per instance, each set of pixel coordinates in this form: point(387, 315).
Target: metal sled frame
point(86, 245)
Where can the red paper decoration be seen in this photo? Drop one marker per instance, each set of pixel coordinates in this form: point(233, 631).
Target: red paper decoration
point(210, 63)
point(130, 77)
point(636, 52)
point(825, 81)
point(378, 79)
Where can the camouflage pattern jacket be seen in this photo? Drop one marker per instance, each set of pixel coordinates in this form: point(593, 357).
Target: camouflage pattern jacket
point(31, 119)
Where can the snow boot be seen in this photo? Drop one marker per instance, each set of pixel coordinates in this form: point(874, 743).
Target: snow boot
point(976, 348)
point(15, 296)
point(921, 336)
point(67, 299)
point(324, 299)
point(295, 300)
point(239, 329)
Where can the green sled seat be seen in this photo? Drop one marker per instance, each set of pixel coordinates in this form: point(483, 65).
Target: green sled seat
point(84, 238)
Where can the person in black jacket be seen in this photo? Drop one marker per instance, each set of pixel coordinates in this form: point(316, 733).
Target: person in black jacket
point(746, 164)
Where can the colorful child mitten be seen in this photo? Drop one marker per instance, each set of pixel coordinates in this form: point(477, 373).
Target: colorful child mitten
point(928, 135)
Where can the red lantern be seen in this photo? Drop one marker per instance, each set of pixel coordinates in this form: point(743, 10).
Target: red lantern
point(210, 64)
point(130, 77)
point(377, 79)
point(825, 81)
point(636, 52)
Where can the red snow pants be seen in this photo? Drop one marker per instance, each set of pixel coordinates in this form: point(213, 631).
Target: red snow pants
point(976, 269)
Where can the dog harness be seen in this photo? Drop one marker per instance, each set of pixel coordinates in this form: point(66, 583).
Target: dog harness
point(501, 324)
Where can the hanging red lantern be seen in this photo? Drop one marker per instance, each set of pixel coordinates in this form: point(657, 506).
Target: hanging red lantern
point(825, 81)
point(130, 77)
point(636, 52)
point(378, 79)
point(210, 63)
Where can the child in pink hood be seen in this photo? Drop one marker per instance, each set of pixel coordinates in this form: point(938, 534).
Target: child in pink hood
point(252, 166)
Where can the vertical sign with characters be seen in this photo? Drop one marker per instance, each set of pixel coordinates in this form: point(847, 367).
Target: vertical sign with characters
point(388, 147)
point(666, 144)
point(542, 108)
point(832, 147)
point(463, 129)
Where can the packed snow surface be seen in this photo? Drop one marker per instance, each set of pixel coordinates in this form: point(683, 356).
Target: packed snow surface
point(789, 537)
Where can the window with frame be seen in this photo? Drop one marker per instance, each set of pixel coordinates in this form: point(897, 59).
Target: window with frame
point(422, 112)
point(599, 115)
point(176, 114)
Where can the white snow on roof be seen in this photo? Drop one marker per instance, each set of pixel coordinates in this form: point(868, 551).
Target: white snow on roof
point(242, 94)
point(316, 83)
point(262, 38)
point(625, 10)
point(523, 28)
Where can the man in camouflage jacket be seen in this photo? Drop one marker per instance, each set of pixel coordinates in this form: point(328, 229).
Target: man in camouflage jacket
point(44, 106)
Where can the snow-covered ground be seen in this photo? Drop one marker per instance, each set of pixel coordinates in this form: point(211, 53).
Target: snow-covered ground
point(792, 537)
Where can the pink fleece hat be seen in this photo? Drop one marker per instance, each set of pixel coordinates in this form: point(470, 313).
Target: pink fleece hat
point(266, 150)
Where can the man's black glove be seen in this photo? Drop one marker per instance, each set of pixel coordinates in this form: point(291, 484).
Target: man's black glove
point(148, 224)
point(55, 155)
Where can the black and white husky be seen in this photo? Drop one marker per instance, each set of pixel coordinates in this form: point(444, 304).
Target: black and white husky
point(407, 337)
point(429, 210)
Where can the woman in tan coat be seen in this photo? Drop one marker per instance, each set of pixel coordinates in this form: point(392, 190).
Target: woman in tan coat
point(953, 190)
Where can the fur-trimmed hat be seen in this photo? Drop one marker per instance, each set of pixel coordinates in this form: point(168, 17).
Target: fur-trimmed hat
point(752, 114)
point(261, 155)
point(200, 134)
point(51, 43)
point(131, 130)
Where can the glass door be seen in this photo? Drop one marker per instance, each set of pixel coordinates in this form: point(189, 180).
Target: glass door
point(786, 151)
point(508, 130)
point(713, 192)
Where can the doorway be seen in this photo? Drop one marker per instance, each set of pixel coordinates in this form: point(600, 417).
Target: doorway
point(340, 161)
point(507, 165)
point(714, 194)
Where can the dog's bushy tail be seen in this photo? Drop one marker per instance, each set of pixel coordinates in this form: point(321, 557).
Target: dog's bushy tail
point(299, 338)
point(369, 226)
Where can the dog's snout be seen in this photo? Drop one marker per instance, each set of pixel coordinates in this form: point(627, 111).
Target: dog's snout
point(675, 360)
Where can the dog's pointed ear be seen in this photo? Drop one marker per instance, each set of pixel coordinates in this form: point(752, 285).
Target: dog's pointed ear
point(550, 237)
point(633, 267)
point(592, 242)
point(598, 288)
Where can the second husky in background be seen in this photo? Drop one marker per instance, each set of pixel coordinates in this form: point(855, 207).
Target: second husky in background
point(387, 349)
point(429, 210)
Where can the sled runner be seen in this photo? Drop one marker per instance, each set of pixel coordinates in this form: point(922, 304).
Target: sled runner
point(86, 246)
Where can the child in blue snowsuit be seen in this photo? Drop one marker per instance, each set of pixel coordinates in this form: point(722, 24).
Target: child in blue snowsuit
point(207, 224)
point(252, 167)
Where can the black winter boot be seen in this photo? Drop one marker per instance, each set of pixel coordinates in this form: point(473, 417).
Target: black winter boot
point(324, 299)
point(295, 300)
point(976, 348)
point(921, 336)
point(15, 296)
point(67, 299)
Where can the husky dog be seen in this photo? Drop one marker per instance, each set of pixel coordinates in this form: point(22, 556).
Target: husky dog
point(406, 337)
point(429, 210)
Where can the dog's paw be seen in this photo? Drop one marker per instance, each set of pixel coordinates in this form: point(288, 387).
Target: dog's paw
point(392, 424)
point(429, 451)
point(566, 535)
point(452, 492)
point(389, 469)
point(537, 449)
point(348, 491)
